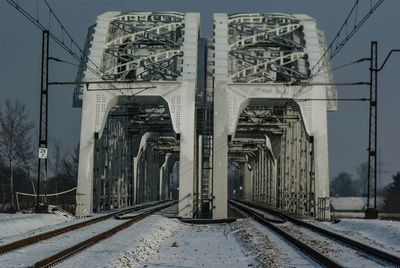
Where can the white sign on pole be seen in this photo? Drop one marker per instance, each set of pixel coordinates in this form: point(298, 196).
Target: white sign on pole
point(43, 153)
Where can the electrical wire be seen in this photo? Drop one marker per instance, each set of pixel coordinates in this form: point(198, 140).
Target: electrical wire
point(347, 64)
point(63, 61)
point(92, 67)
point(338, 43)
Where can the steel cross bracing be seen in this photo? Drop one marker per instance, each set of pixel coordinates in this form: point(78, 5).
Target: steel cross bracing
point(206, 191)
point(144, 47)
point(145, 144)
point(282, 172)
point(118, 181)
point(265, 49)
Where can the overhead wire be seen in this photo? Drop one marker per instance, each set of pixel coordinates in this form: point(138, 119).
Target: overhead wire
point(348, 64)
point(92, 67)
point(338, 41)
point(83, 53)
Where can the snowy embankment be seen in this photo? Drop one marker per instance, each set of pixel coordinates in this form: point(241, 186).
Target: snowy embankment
point(17, 226)
point(129, 247)
point(378, 233)
point(158, 241)
point(201, 246)
point(267, 248)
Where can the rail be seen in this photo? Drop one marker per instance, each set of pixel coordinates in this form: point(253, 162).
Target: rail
point(307, 250)
point(47, 235)
point(371, 251)
point(69, 252)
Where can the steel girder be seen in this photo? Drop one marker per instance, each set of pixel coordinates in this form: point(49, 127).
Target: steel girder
point(265, 48)
point(282, 172)
point(145, 46)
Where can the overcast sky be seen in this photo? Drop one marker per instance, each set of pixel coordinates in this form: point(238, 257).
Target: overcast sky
point(20, 59)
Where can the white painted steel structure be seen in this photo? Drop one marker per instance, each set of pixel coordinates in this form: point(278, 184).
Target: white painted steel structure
point(147, 47)
point(132, 139)
point(257, 56)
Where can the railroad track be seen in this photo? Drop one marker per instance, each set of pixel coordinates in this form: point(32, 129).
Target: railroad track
point(69, 252)
point(367, 252)
point(47, 235)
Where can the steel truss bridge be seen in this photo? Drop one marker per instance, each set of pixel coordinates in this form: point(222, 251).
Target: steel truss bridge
point(204, 120)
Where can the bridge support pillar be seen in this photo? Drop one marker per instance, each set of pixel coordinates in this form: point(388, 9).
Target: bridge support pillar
point(187, 154)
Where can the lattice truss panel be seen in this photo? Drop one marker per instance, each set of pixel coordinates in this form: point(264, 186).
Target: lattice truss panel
point(144, 46)
point(283, 164)
point(116, 148)
point(266, 48)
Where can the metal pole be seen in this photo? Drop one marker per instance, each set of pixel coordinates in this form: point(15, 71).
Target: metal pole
point(42, 157)
point(372, 144)
point(375, 83)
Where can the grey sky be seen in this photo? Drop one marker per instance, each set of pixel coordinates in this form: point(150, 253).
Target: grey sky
point(20, 46)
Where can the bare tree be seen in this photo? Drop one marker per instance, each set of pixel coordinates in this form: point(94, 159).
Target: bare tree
point(26, 156)
point(56, 164)
point(15, 132)
point(342, 185)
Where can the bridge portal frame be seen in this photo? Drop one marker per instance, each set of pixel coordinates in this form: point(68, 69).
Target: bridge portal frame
point(179, 94)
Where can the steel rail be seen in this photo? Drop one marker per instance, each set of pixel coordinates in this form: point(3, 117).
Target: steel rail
point(307, 250)
point(69, 252)
point(47, 235)
point(371, 251)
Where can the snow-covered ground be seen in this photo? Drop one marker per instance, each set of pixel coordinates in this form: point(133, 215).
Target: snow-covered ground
point(159, 241)
point(130, 247)
point(267, 248)
point(162, 242)
point(16, 226)
point(27, 256)
point(382, 234)
point(201, 246)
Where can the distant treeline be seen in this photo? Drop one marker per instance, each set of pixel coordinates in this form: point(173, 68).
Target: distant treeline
point(344, 185)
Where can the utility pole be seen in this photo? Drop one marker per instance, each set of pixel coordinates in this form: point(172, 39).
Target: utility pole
point(372, 212)
point(42, 154)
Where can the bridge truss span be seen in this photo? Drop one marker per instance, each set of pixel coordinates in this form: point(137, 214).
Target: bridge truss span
point(137, 136)
point(201, 120)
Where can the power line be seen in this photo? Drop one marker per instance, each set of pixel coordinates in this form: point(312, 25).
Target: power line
point(339, 42)
point(387, 57)
point(349, 64)
point(68, 48)
point(63, 61)
point(341, 38)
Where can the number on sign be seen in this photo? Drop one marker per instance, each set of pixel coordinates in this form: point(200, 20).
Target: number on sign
point(43, 153)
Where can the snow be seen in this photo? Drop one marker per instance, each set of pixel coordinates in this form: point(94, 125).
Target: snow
point(268, 249)
point(378, 233)
point(13, 225)
point(129, 247)
point(27, 256)
point(201, 246)
point(352, 203)
point(159, 241)
point(347, 257)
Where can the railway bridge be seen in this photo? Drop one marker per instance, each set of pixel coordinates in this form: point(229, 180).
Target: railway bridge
point(204, 120)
